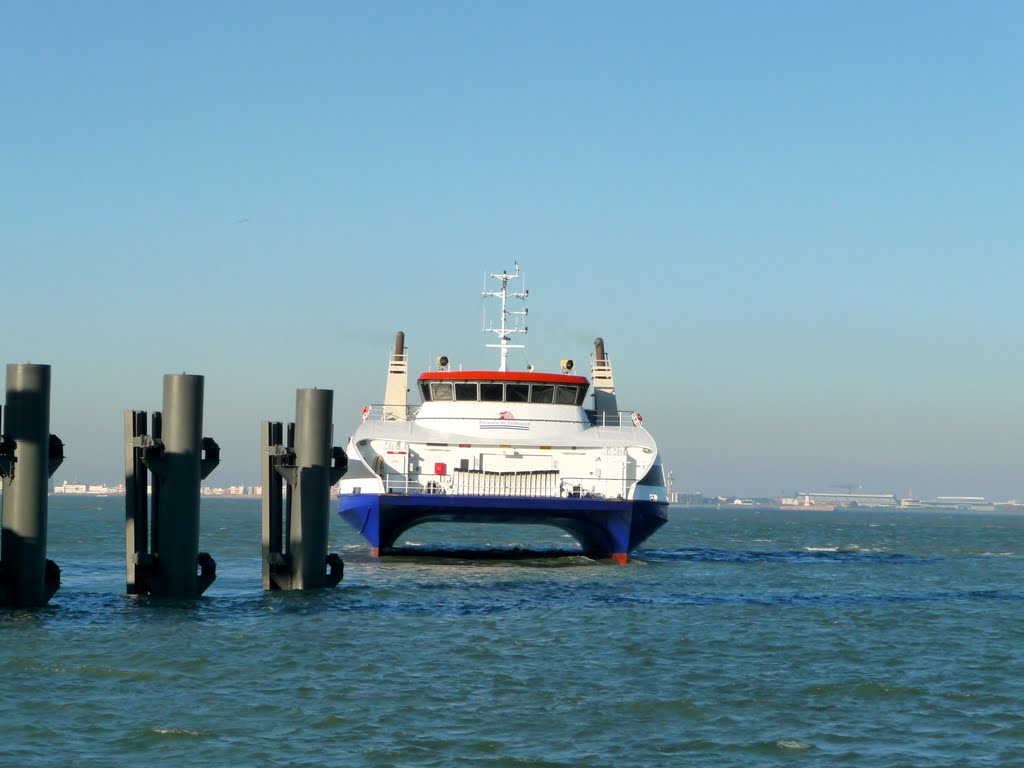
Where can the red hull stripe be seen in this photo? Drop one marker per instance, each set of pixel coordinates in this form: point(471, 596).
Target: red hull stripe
point(544, 378)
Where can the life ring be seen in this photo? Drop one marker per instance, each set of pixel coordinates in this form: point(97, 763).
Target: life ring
point(637, 419)
point(366, 412)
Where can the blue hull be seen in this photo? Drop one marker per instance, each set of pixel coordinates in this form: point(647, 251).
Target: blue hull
point(604, 528)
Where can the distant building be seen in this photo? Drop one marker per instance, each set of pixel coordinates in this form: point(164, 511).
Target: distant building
point(1009, 506)
point(70, 488)
point(810, 499)
point(81, 489)
point(695, 500)
point(962, 501)
point(975, 503)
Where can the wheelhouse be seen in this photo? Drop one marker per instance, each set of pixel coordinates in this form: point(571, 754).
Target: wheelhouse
point(502, 387)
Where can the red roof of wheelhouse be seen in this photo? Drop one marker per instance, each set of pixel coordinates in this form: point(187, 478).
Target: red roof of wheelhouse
point(531, 377)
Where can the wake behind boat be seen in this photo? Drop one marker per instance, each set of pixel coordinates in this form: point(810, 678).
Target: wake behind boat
point(515, 447)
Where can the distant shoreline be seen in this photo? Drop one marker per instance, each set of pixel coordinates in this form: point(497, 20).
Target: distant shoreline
point(994, 509)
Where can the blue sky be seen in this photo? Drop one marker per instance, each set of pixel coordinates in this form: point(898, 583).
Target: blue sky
point(797, 225)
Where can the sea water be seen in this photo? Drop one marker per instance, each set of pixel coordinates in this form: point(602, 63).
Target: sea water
point(734, 637)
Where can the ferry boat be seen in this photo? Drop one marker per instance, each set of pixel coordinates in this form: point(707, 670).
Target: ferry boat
point(517, 447)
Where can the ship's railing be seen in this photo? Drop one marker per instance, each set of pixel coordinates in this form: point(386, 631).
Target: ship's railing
point(385, 412)
point(615, 418)
point(517, 484)
point(529, 483)
point(590, 487)
point(401, 484)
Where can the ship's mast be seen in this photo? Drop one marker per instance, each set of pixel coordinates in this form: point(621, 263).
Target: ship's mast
point(505, 332)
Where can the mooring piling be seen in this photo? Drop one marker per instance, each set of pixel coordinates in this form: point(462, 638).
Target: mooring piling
point(296, 521)
point(29, 455)
point(162, 536)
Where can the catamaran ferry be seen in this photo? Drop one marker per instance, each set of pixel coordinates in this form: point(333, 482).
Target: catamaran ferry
point(503, 446)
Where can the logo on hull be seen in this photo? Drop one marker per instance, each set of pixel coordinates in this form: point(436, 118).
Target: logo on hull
point(505, 420)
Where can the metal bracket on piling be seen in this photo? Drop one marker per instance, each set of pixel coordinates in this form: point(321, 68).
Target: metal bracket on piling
point(296, 516)
point(162, 529)
point(55, 454)
point(7, 458)
point(207, 572)
point(276, 566)
point(335, 569)
point(339, 464)
point(211, 457)
point(278, 466)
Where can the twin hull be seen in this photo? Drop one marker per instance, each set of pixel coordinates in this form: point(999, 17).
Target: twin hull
point(604, 528)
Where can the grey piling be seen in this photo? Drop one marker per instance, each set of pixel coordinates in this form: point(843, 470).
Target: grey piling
point(178, 457)
point(29, 455)
point(177, 527)
point(295, 539)
point(307, 538)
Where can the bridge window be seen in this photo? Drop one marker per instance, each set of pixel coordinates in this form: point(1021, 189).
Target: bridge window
point(465, 390)
point(492, 392)
point(542, 393)
point(517, 393)
point(441, 390)
point(566, 395)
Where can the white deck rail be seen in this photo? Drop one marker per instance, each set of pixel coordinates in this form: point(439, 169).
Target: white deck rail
point(547, 484)
point(409, 413)
point(478, 482)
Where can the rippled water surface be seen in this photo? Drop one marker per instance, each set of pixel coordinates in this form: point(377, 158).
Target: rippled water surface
point(733, 638)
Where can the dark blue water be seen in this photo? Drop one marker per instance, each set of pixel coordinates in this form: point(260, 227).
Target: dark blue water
point(735, 638)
